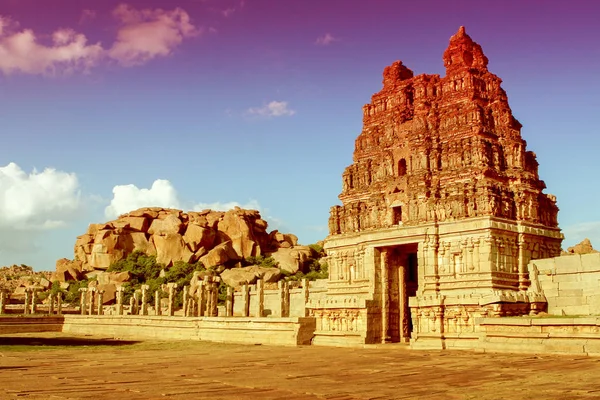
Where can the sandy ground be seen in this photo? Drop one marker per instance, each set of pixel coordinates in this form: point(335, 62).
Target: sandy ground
point(58, 366)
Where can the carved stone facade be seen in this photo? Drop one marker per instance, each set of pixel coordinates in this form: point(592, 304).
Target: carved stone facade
point(442, 204)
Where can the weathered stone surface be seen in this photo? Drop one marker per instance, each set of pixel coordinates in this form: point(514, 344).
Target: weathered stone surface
point(442, 205)
point(197, 236)
point(173, 235)
point(237, 277)
point(171, 248)
point(237, 226)
point(139, 224)
point(67, 270)
point(291, 259)
point(440, 149)
point(219, 255)
point(170, 224)
point(585, 247)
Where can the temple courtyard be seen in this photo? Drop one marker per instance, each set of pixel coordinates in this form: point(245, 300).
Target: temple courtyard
point(62, 366)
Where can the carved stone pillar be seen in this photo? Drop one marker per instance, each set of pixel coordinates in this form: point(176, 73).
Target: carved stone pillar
point(144, 305)
point(33, 301)
point(135, 309)
point(245, 300)
point(119, 310)
point(172, 286)
point(209, 296)
point(201, 295)
point(280, 287)
point(50, 303)
point(229, 302)
point(91, 300)
point(403, 299)
point(3, 301)
point(59, 303)
point(260, 291)
point(100, 301)
point(82, 303)
point(305, 296)
point(26, 305)
point(385, 297)
point(157, 305)
point(522, 264)
point(132, 305)
point(214, 293)
point(185, 301)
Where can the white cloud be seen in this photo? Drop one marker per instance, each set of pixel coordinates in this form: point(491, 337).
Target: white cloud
point(37, 201)
point(142, 36)
point(326, 40)
point(273, 109)
point(127, 198)
point(147, 34)
point(21, 51)
point(219, 206)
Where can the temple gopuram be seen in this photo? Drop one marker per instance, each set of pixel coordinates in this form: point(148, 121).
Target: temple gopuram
point(442, 210)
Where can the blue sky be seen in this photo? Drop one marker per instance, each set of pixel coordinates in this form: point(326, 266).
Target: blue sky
point(257, 102)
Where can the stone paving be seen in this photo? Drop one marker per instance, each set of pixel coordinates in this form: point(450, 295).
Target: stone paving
point(58, 366)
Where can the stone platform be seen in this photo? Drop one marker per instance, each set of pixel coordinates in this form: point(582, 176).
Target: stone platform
point(290, 331)
point(539, 335)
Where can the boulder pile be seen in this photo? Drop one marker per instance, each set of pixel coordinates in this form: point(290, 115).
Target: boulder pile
point(218, 239)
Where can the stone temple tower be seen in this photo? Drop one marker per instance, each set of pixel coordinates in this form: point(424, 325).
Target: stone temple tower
point(441, 211)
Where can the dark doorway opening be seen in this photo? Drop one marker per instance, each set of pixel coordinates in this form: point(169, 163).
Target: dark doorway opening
point(402, 283)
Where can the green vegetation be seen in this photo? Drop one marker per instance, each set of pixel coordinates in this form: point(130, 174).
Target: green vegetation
point(261, 261)
point(145, 270)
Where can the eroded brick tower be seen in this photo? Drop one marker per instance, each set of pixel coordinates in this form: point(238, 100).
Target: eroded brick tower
point(442, 208)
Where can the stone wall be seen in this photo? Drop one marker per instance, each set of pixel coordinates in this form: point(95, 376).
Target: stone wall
point(273, 331)
point(32, 324)
point(571, 283)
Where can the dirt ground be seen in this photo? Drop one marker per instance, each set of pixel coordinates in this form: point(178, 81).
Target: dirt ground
point(57, 366)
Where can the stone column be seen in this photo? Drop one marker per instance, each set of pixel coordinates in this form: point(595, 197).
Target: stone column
point(245, 300)
point(280, 287)
point(119, 310)
point(3, 301)
point(172, 286)
point(132, 305)
point(91, 300)
point(185, 301)
point(385, 297)
point(305, 296)
point(26, 305)
point(260, 292)
point(523, 281)
point(135, 310)
point(210, 298)
point(157, 305)
point(82, 303)
point(215, 297)
point(100, 301)
point(33, 301)
point(50, 303)
point(144, 310)
point(229, 302)
point(403, 300)
point(201, 295)
point(59, 303)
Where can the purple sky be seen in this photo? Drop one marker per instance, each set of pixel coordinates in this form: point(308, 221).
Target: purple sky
point(257, 102)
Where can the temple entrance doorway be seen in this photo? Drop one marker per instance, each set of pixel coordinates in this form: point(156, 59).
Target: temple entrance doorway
point(402, 283)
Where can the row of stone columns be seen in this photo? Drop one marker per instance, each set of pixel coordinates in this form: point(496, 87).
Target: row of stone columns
point(30, 304)
point(88, 300)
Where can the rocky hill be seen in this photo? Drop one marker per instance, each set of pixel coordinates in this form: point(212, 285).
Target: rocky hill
point(15, 278)
point(223, 242)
